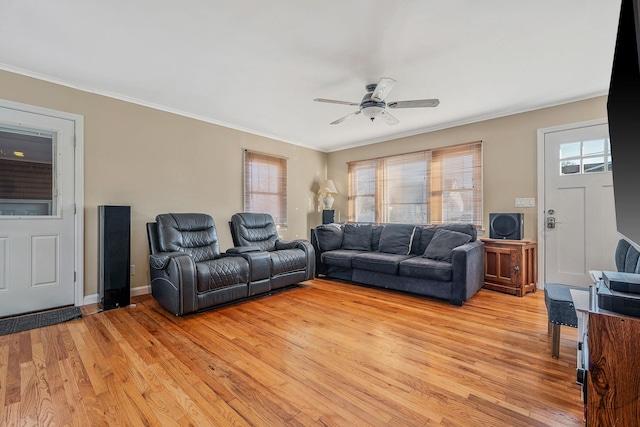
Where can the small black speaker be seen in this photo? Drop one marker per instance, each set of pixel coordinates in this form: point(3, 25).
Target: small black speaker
point(508, 226)
point(114, 246)
point(328, 216)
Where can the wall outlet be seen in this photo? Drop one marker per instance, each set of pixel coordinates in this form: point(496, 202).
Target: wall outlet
point(525, 202)
point(132, 270)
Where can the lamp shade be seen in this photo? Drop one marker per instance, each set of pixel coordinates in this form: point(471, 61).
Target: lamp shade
point(328, 187)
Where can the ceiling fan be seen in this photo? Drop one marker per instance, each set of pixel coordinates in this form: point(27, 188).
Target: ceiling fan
point(373, 104)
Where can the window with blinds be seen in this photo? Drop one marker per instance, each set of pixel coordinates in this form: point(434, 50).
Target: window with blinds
point(426, 187)
point(265, 185)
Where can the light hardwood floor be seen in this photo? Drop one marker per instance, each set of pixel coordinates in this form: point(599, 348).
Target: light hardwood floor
point(325, 353)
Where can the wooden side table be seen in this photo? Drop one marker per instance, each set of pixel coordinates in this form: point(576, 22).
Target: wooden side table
point(511, 266)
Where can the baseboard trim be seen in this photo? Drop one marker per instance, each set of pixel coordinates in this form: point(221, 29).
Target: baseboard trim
point(140, 290)
point(134, 292)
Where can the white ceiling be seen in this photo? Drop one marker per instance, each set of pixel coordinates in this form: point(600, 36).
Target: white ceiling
point(257, 65)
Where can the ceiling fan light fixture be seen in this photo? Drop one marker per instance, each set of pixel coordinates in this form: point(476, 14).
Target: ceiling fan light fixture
point(372, 112)
point(373, 104)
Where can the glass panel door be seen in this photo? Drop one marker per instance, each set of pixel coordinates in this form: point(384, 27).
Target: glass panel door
point(27, 179)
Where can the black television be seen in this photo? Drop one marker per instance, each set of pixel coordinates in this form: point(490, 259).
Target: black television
point(623, 110)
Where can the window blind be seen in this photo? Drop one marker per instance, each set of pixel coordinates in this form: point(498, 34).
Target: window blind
point(265, 185)
point(425, 187)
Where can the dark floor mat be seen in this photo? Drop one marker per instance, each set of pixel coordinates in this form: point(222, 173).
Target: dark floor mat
point(15, 324)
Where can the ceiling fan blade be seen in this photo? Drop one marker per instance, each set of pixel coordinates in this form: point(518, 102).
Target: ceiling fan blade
point(418, 103)
point(333, 101)
point(388, 118)
point(383, 88)
point(342, 119)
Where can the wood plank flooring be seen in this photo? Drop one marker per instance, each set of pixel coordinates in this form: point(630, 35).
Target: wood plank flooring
point(323, 354)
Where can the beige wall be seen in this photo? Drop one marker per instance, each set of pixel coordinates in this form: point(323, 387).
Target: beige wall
point(510, 155)
point(160, 162)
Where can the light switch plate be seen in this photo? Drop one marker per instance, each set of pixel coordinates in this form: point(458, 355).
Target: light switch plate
point(525, 202)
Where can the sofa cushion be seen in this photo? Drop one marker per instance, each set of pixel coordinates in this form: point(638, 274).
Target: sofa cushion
point(357, 237)
point(329, 236)
point(378, 261)
point(221, 273)
point(443, 242)
point(339, 257)
point(428, 232)
point(397, 239)
point(425, 268)
point(376, 231)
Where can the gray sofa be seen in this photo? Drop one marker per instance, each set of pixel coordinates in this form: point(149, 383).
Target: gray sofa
point(444, 261)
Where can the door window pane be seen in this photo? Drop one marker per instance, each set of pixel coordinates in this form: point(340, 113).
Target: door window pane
point(569, 167)
point(593, 148)
point(26, 173)
point(571, 149)
point(593, 164)
point(585, 157)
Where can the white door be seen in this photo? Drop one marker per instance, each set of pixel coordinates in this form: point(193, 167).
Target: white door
point(579, 227)
point(37, 218)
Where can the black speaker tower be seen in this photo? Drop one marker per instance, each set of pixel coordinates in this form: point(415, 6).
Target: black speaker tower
point(114, 247)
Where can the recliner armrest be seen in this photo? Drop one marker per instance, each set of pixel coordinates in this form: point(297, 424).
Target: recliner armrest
point(243, 249)
point(173, 281)
point(290, 244)
point(308, 249)
point(161, 260)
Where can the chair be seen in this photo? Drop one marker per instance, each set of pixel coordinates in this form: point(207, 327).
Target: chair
point(560, 311)
point(291, 261)
point(188, 272)
point(627, 257)
point(557, 297)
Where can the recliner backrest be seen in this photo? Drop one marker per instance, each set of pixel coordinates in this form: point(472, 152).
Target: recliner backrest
point(152, 238)
point(254, 229)
point(627, 257)
point(194, 234)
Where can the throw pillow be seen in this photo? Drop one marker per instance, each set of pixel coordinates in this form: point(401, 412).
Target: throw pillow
point(329, 237)
point(426, 235)
point(443, 242)
point(357, 237)
point(376, 231)
point(396, 239)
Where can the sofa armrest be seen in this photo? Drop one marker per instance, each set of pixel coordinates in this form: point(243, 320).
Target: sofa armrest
point(310, 254)
point(467, 263)
point(173, 281)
